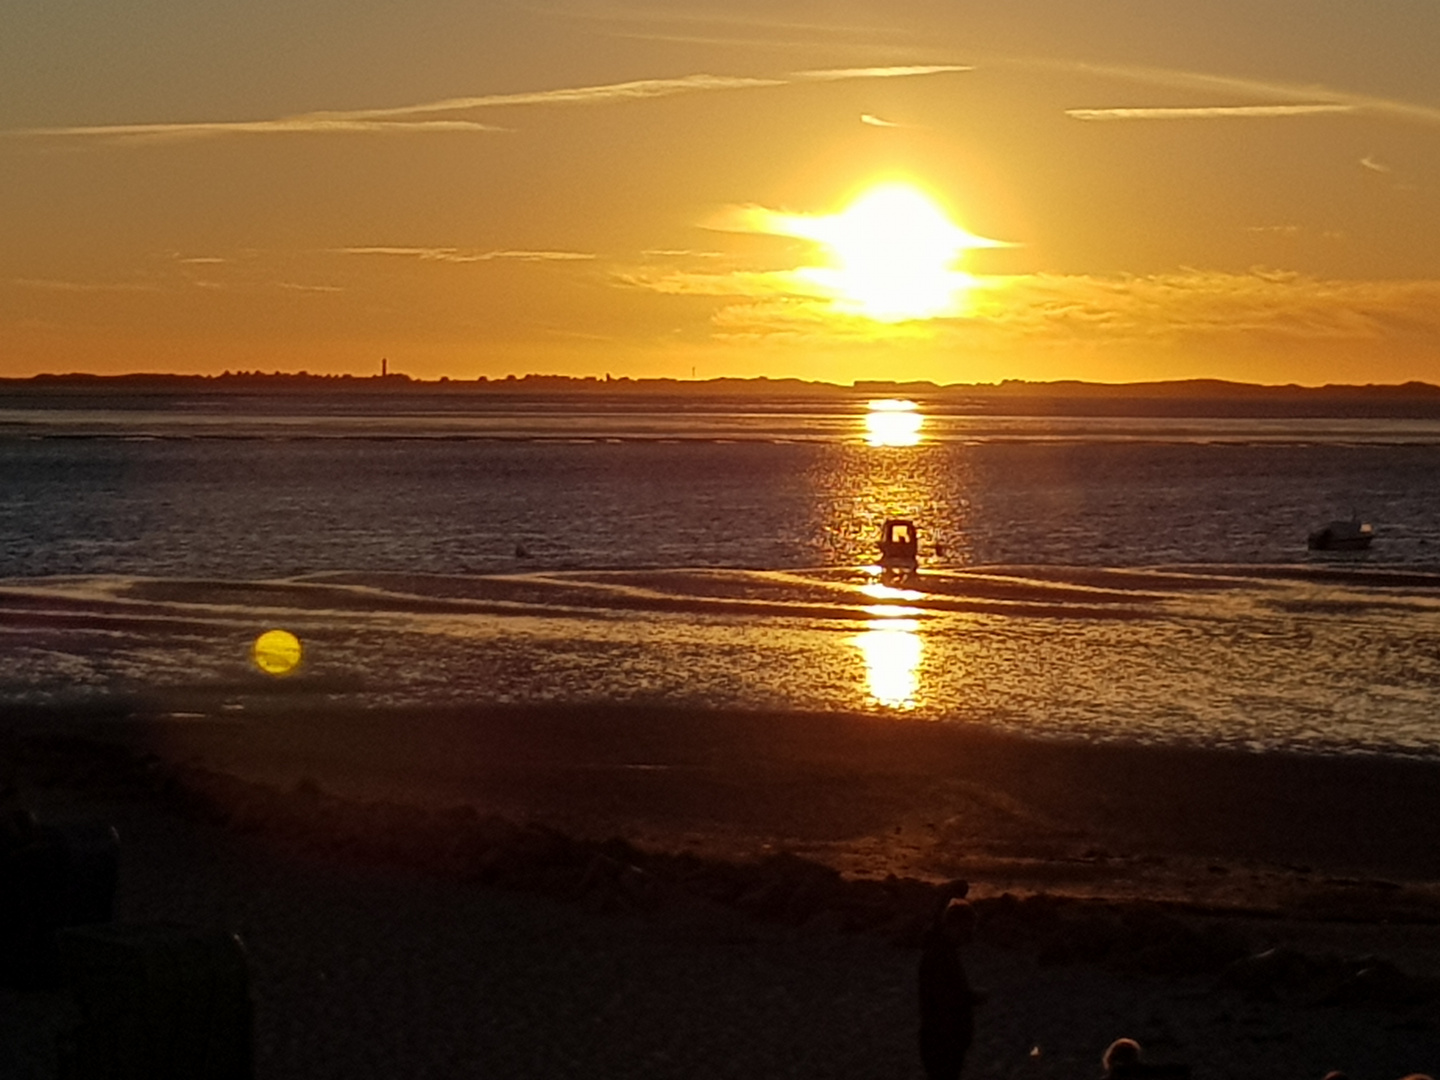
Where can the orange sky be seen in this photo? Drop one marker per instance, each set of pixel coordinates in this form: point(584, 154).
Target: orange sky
point(582, 188)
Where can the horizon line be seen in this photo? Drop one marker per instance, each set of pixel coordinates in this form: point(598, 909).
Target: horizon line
point(399, 379)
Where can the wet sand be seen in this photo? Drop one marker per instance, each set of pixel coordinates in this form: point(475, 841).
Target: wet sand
point(366, 968)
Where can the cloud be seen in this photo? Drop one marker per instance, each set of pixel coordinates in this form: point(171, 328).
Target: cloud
point(82, 286)
point(642, 89)
point(1208, 112)
point(735, 283)
point(1369, 162)
point(875, 121)
point(292, 125)
point(905, 71)
point(817, 228)
point(404, 119)
point(467, 255)
point(1232, 86)
point(1197, 305)
point(295, 286)
point(681, 253)
point(634, 90)
point(1187, 309)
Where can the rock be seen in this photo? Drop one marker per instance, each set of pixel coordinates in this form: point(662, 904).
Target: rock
point(1272, 974)
point(1377, 982)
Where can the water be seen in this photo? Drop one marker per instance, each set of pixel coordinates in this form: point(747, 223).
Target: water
point(1134, 578)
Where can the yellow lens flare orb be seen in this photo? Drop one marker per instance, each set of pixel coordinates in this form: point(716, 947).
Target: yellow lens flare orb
point(893, 423)
point(277, 652)
point(892, 255)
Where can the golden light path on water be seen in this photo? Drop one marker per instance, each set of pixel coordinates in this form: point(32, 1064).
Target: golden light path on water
point(892, 646)
point(892, 422)
point(892, 650)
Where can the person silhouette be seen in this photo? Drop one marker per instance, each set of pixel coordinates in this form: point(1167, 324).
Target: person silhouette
point(1122, 1061)
point(947, 1003)
point(1120, 1057)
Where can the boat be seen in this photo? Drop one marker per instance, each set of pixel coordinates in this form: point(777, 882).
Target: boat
point(1352, 535)
point(899, 548)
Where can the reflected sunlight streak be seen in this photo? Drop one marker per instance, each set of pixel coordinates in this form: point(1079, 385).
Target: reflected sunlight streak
point(893, 611)
point(893, 423)
point(880, 591)
point(892, 652)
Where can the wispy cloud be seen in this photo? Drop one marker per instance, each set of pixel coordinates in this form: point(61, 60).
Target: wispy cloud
point(737, 283)
point(1180, 310)
point(1369, 162)
point(1196, 307)
point(1232, 86)
point(410, 119)
point(876, 121)
point(290, 125)
point(466, 255)
point(1208, 112)
point(296, 286)
point(680, 253)
point(82, 286)
point(901, 71)
point(641, 89)
point(606, 93)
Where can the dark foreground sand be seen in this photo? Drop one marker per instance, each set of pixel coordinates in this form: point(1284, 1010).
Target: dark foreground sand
point(870, 795)
point(369, 963)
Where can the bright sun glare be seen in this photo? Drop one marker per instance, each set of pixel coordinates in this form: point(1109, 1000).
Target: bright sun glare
point(892, 652)
point(893, 423)
point(892, 254)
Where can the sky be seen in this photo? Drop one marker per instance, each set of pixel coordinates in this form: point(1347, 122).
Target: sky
point(1117, 191)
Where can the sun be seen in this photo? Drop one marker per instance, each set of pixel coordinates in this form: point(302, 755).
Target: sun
point(891, 255)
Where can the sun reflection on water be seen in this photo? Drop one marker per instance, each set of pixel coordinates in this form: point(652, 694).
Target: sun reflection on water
point(890, 468)
point(880, 591)
point(892, 611)
point(892, 650)
point(891, 422)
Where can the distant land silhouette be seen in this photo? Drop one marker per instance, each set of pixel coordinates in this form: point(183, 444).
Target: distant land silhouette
point(1184, 397)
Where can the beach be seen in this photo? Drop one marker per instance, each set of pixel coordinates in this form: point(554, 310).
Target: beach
point(871, 795)
point(382, 957)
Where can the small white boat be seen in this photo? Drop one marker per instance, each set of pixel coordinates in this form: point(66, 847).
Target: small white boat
point(1352, 535)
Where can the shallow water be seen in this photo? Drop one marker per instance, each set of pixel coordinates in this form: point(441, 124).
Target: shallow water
point(1208, 657)
point(1099, 578)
